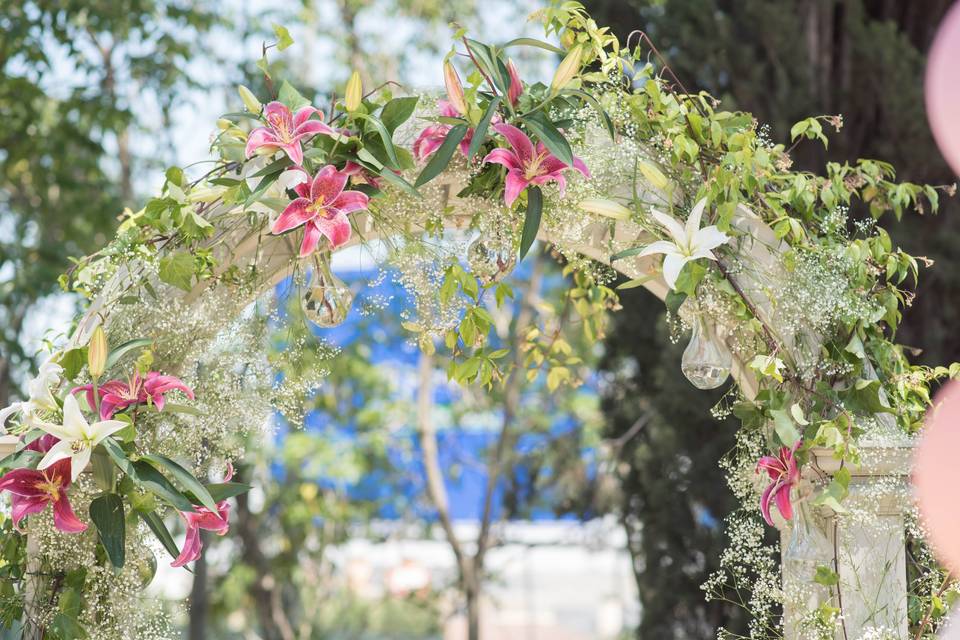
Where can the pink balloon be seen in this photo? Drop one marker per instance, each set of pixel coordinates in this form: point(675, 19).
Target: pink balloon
point(942, 87)
point(936, 475)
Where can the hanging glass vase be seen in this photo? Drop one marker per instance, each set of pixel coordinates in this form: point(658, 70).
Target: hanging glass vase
point(327, 301)
point(491, 259)
point(706, 361)
point(807, 549)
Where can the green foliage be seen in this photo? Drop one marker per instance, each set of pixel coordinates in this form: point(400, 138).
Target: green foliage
point(63, 99)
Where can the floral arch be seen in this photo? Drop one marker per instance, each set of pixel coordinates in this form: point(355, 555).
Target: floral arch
point(783, 276)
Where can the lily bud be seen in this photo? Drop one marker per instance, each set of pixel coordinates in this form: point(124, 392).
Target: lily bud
point(516, 87)
point(454, 88)
point(567, 70)
point(604, 207)
point(253, 105)
point(97, 353)
point(354, 92)
point(223, 124)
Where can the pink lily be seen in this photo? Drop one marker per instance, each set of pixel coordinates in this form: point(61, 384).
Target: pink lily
point(285, 130)
point(784, 475)
point(528, 164)
point(116, 395)
point(359, 175)
point(515, 90)
point(33, 490)
point(323, 206)
point(203, 518)
point(433, 136)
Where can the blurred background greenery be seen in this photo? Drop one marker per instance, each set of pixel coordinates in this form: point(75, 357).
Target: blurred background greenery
point(97, 96)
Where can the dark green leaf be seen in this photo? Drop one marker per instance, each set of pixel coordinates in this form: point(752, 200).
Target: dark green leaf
point(385, 136)
point(531, 222)
point(398, 181)
point(223, 490)
point(147, 476)
point(480, 133)
point(159, 529)
point(398, 111)
point(106, 512)
point(441, 157)
point(184, 477)
point(550, 136)
point(673, 301)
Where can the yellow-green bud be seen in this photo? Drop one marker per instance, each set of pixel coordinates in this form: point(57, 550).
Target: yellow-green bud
point(354, 92)
point(604, 207)
point(253, 105)
point(97, 351)
point(567, 70)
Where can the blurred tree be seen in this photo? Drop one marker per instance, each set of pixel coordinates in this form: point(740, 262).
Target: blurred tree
point(75, 79)
point(782, 60)
point(662, 447)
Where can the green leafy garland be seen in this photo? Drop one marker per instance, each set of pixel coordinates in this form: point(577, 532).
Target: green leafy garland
point(822, 393)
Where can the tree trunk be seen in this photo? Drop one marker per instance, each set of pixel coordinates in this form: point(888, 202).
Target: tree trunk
point(199, 598)
point(273, 619)
point(472, 597)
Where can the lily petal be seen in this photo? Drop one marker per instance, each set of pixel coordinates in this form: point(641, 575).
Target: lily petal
point(516, 183)
point(327, 185)
point(296, 214)
point(504, 157)
point(696, 214)
point(336, 228)
point(672, 226)
point(64, 518)
point(518, 140)
point(660, 246)
point(672, 266)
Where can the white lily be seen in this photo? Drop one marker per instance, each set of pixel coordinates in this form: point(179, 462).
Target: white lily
point(40, 393)
point(690, 242)
point(78, 437)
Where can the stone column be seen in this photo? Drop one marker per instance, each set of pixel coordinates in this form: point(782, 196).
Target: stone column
point(865, 544)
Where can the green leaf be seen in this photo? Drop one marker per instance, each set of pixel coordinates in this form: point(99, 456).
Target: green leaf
point(73, 361)
point(533, 42)
point(441, 157)
point(690, 276)
point(291, 97)
point(223, 490)
point(129, 345)
point(480, 133)
point(398, 181)
point(184, 477)
point(826, 576)
point(283, 37)
point(66, 627)
point(172, 407)
point(673, 301)
point(626, 253)
point(550, 136)
point(488, 61)
point(531, 222)
point(385, 136)
point(398, 111)
point(106, 512)
point(593, 102)
point(177, 270)
point(160, 531)
point(784, 427)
